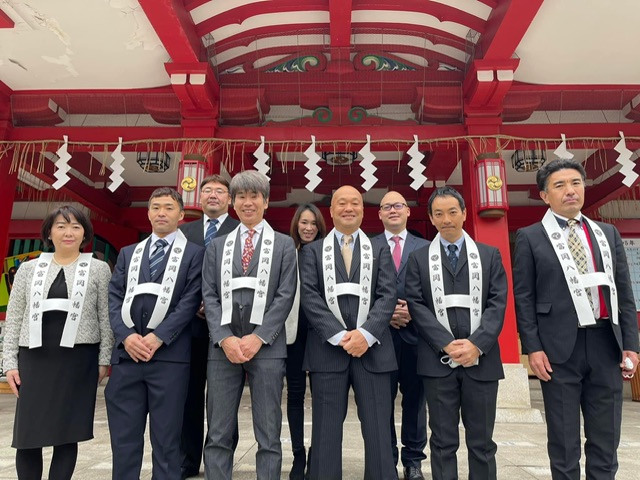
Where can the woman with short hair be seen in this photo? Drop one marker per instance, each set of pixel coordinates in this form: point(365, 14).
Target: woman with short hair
point(57, 345)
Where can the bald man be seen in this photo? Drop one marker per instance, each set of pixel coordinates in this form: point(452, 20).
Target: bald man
point(394, 213)
point(348, 292)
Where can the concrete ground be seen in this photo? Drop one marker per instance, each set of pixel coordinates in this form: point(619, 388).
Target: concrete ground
point(521, 447)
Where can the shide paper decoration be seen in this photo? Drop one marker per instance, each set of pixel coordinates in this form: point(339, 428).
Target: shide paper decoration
point(62, 165)
point(368, 169)
point(312, 166)
point(116, 167)
point(416, 165)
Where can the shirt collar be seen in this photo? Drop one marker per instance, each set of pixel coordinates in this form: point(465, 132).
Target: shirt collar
point(258, 228)
point(402, 235)
point(458, 243)
point(220, 219)
point(169, 238)
point(339, 236)
point(562, 221)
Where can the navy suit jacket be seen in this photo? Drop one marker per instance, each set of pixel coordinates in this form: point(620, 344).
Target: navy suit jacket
point(433, 336)
point(545, 313)
point(408, 334)
point(320, 355)
point(173, 330)
point(194, 231)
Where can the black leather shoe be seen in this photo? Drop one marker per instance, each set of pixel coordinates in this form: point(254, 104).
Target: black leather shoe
point(413, 473)
point(189, 473)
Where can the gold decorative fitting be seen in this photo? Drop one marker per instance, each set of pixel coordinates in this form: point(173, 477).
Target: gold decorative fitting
point(494, 183)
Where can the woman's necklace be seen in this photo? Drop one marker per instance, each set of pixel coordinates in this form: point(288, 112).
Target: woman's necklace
point(64, 264)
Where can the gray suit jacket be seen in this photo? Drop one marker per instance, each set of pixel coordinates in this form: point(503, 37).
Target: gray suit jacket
point(544, 310)
point(281, 290)
point(433, 336)
point(320, 355)
point(194, 231)
point(408, 334)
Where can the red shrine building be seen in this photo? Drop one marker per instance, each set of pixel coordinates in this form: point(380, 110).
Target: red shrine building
point(103, 101)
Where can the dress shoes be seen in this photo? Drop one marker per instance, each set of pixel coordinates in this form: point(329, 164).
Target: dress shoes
point(189, 473)
point(413, 473)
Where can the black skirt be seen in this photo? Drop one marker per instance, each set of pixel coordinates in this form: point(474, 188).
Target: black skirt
point(58, 391)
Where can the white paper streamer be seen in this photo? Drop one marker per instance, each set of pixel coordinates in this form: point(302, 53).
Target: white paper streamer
point(561, 151)
point(368, 169)
point(416, 165)
point(261, 159)
point(116, 167)
point(62, 165)
point(312, 166)
point(624, 159)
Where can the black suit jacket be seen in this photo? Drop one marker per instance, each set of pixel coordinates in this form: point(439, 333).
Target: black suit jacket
point(194, 231)
point(320, 355)
point(409, 334)
point(545, 313)
point(433, 336)
point(173, 330)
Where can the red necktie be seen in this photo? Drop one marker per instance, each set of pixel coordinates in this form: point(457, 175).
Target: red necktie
point(247, 252)
point(397, 251)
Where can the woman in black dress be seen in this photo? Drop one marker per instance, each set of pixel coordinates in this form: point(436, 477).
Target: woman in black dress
point(57, 346)
point(307, 225)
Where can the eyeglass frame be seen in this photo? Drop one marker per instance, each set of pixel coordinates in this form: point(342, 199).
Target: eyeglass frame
point(396, 206)
point(217, 191)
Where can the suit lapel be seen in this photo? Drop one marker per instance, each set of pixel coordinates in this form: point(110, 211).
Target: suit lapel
point(445, 259)
point(409, 245)
point(462, 258)
point(145, 273)
point(255, 258)
point(355, 258)
point(237, 256)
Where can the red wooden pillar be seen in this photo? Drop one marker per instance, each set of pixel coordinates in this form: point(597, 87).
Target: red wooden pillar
point(9, 181)
point(492, 231)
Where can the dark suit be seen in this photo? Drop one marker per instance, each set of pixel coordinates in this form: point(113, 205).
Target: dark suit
point(413, 434)
point(333, 370)
point(265, 372)
point(157, 387)
point(585, 361)
point(192, 438)
point(472, 390)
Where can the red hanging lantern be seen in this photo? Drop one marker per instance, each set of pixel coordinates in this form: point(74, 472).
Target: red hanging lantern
point(492, 187)
point(192, 169)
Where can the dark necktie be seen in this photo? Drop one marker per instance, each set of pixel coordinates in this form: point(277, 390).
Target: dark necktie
point(156, 257)
point(212, 229)
point(578, 252)
point(247, 252)
point(453, 258)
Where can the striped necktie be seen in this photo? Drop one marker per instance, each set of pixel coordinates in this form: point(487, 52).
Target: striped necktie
point(212, 229)
point(157, 257)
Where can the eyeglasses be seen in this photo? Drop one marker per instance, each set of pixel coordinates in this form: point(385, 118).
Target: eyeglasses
point(217, 191)
point(396, 206)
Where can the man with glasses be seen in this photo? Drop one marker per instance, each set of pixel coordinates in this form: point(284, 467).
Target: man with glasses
point(215, 223)
point(394, 213)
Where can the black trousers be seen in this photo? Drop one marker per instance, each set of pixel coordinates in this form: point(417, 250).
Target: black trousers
point(447, 397)
point(589, 382)
point(413, 431)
